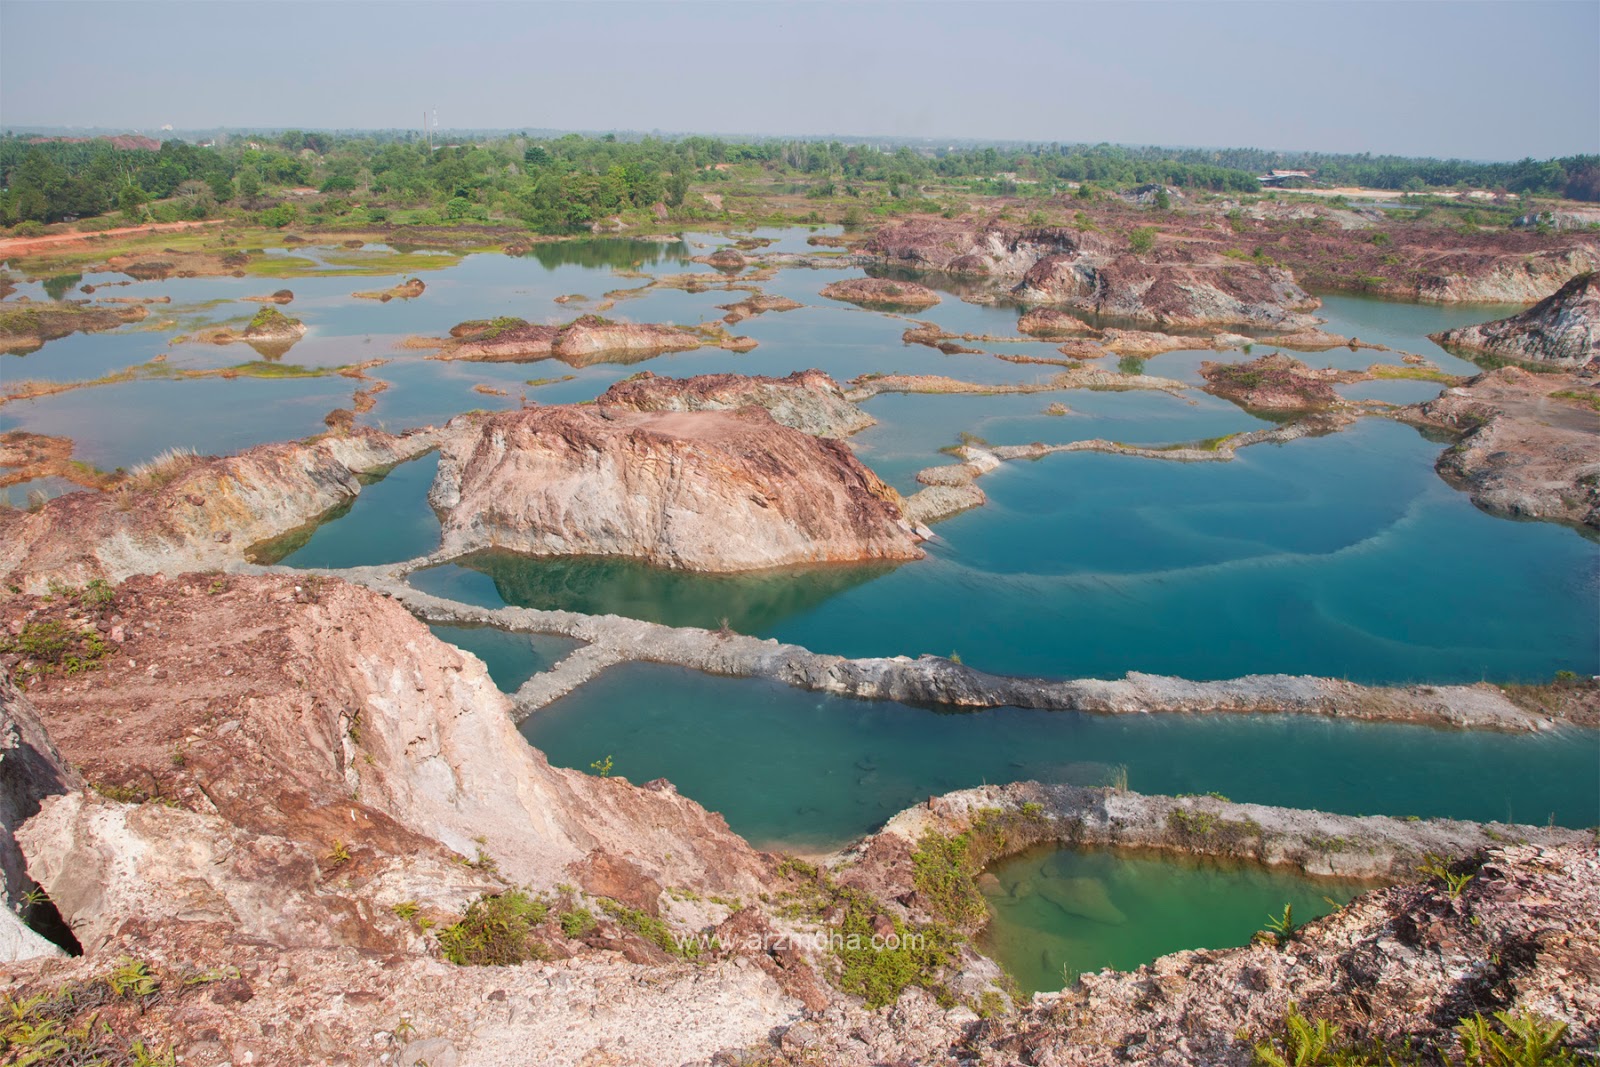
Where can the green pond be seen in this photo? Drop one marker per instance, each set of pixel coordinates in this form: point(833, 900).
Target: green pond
point(1060, 913)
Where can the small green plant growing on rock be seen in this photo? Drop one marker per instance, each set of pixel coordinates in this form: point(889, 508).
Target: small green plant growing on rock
point(602, 767)
point(651, 929)
point(1304, 1043)
point(1519, 1041)
point(1437, 867)
point(1280, 929)
point(339, 854)
point(49, 645)
point(576, 922)
point(496, 930)
point(132, 978)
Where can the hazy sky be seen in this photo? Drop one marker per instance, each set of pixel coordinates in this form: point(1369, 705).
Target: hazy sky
point(1478, 80)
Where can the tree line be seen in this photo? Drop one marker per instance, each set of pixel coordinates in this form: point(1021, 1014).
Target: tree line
point(563, 184)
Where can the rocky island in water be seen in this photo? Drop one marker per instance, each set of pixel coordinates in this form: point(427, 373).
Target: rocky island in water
point(1040, 621)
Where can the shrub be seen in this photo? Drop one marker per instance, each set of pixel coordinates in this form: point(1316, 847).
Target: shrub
point(495, 930)
point(1142, 240)
point(650, 928)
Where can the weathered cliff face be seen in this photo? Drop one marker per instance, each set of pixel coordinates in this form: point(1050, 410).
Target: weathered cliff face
point(710, 490)
point(332, 780)
point(586, 340)
point(195, 514)
point(881, 292)
point(1563, 330)
point(31, 771)
point(1493, 277)
point(309, 710)
point(809, 400)
point(1529, 446)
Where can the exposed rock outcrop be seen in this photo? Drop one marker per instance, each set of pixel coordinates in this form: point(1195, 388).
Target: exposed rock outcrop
point(881, 292)
point(1562, 330)
point(406, 290)
point(809, 400)
point(26, 325)
point(1275, 382)
point(709, 490)
point(1529, 443)
point(1082, 269)
point(587, 339)
point(1170, 288)
point(758, 304)
point(181, 512)
point(31, 771)
point(281, 296)
point(1051, 322)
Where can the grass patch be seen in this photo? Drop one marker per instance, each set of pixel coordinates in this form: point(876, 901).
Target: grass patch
point(496, 930)
point(1388, 371)
point(50, 645)
point(1590, 398)
point(651, 929)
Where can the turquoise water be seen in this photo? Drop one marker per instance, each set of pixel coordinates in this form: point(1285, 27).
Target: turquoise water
point(1059, 913)
point(511, 658)
point(1343, 556)
point(390, 522)
point(807, 770)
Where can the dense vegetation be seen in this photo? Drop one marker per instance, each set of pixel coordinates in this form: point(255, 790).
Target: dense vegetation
point(565, 183)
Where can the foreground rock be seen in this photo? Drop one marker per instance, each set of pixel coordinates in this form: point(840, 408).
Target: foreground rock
point(708, 490)
point(586, 340)
point(182, 512)
point(1275, 382)
point(31, 771)
point(809, 401)
point(1562, 330)
point(881, 292)
point(332, 781)
point(1403, 964)
point(1529, 444)
point(25, 326)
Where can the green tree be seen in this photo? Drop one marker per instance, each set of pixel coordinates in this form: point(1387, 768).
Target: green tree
point(131, 202)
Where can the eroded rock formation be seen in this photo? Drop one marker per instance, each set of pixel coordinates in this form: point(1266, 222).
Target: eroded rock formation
point(587, 339)
point(809, 400)
point(1562, 330)
point(182, 512)
point(708, 490)
point(881, 292)
point(1274, 382)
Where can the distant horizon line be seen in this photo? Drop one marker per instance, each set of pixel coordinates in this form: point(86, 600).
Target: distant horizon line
point(178, 132)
